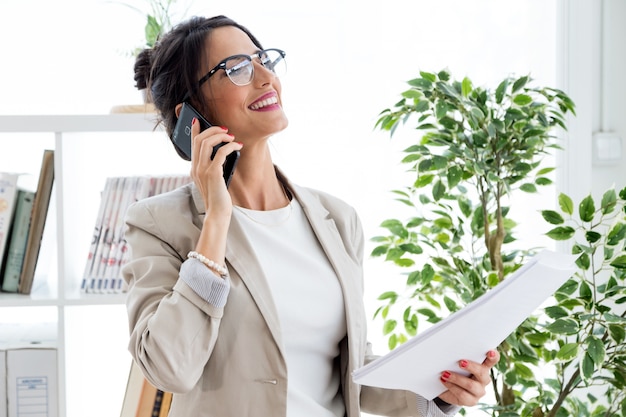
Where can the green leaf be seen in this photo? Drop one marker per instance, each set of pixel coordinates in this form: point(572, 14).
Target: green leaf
point(614, 318)
point(395, 227)
point(439, 190)
point(466, 87)
point(379, 250)
point(423, 180)
point(501, 90)
point(451, 305)
point(592, 236)
point(392, 342)
point(563, 326)
point(421, 83)
point(619, 262)
point(552, 217)
point(556, 312)
point(569, 287)
point(566, 204)
point(617, 332)
point(519, 83)
point(428, 273)
point(389, 326)
point(561, 233)
point(392, 296)
point(609, 201)
point(585, 291)
point(586, 367)
point(587, 209)
point(523, 370)
point(596, 350)
point(454, 176)
point(522, 99)
point(616, 234)
point(528, 187)
point(568, 352)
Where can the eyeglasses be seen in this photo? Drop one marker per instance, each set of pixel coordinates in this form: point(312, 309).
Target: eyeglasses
point(240, 69)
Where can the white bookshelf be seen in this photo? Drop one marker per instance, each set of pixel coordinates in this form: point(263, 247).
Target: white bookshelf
point(88, 149)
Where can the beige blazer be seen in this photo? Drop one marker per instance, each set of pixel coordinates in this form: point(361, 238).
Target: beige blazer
point(229, 362)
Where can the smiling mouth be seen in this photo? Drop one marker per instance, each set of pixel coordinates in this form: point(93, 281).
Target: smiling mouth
point(264, 103)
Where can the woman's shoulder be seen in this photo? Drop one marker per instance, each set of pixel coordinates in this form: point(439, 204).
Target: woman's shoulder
point(332, 203)
point(173, 203)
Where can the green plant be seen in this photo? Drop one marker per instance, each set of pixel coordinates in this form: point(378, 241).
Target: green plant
point(160, 17)
point(475, 148)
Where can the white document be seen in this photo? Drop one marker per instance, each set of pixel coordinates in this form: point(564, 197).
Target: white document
point(470, 332)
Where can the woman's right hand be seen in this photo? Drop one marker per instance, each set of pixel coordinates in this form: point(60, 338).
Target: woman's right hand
point(207, 174)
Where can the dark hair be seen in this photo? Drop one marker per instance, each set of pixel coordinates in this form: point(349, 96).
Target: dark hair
point(171, 69)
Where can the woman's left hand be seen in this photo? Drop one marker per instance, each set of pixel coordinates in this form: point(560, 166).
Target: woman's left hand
point(468, 390)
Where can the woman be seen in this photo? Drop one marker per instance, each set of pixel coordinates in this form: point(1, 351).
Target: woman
point(246, 300)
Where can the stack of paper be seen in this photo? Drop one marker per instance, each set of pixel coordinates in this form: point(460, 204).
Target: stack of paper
point(469, 333)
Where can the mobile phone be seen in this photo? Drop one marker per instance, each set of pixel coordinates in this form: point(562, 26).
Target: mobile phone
point(181, 137)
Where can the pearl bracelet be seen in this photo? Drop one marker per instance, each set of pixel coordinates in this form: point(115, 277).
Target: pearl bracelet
point(211, 264)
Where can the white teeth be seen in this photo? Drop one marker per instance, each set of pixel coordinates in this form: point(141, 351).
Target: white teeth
point(263, 103)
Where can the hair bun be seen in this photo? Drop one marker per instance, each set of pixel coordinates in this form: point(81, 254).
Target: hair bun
point(143, 66)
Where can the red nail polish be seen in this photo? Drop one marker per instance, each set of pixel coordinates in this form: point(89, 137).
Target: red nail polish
point(491, 354)
point(445, 376)
point(223, 128)
point(463, 363)
point(193, 121)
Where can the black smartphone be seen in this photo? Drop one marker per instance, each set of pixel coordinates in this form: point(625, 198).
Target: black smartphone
point(181, 137)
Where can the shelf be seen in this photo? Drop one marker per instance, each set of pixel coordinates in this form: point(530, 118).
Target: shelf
point(119, 122)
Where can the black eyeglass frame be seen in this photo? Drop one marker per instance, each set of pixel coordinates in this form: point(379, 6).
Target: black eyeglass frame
point(222, 64)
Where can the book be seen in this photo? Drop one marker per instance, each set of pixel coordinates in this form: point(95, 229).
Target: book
point(41, 204)
point(140, 396)
point(8, 201)
point(132, 395)
point(17, 245)
point(108, 250)
point(87, 283)
point(470, 332)
point(142, 399)
point(165, 404)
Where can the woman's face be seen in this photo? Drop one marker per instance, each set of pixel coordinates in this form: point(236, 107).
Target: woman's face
point(249, 111)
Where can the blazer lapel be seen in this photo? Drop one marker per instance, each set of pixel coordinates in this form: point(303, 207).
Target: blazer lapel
point(347, 270)
point(242, 257)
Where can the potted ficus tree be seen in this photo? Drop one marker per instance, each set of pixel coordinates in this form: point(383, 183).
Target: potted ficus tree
point(474, 149)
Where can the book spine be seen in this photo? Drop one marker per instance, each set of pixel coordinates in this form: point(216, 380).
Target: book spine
point(19, 237)
point(8, 200)
point(41, 203)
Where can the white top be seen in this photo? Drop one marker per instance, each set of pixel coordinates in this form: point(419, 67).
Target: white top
point(309, 300)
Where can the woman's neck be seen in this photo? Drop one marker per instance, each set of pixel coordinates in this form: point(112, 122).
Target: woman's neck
point(256, 187)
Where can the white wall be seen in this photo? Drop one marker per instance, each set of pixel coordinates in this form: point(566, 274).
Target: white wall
point(591, 67)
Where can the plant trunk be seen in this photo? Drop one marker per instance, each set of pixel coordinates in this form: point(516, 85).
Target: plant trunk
point(494, 241)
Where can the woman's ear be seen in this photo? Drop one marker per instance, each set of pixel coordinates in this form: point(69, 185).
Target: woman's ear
point(177, 109)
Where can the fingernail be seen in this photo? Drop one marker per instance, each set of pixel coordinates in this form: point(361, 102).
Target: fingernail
point(223, 128)
point(230, 135)
point(463, 363)
point(491, 353)
point(193, 121)
point(240, 143)
point(445, 376)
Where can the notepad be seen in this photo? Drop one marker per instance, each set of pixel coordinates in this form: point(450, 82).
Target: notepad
point(470, 332)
